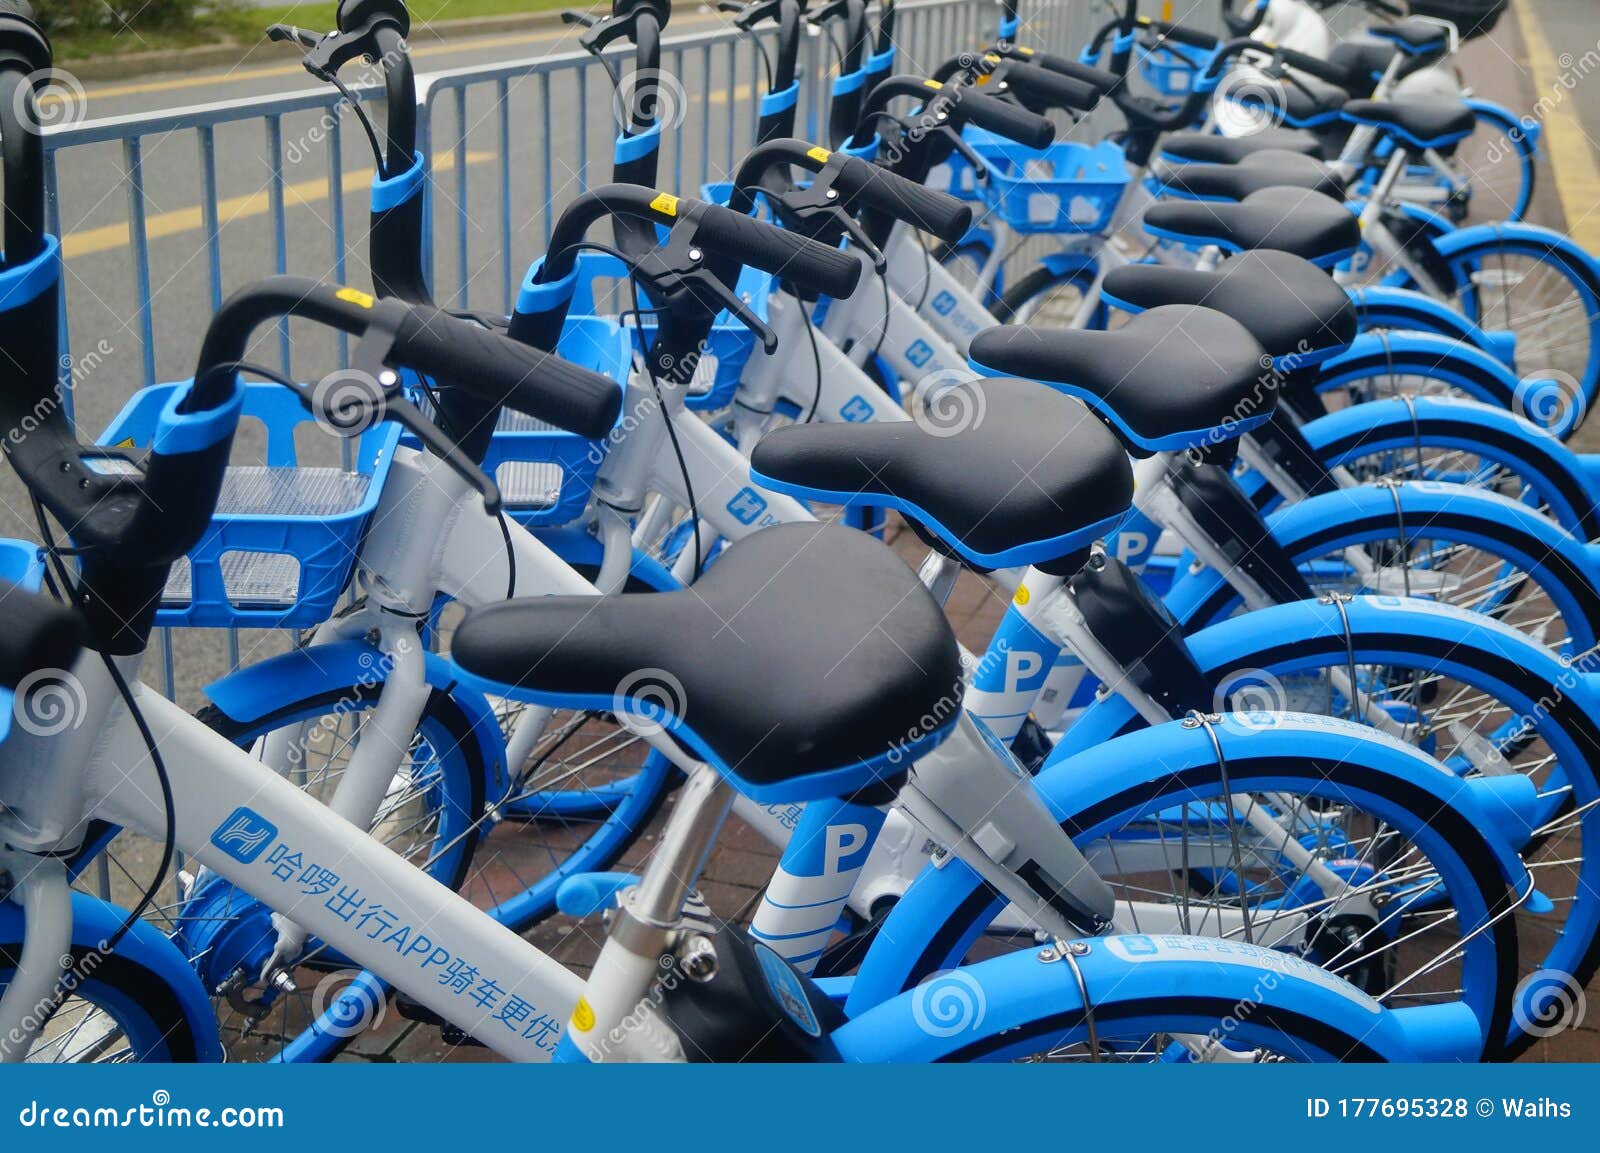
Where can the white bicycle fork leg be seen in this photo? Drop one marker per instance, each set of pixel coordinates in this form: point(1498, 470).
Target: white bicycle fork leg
point(46, 902)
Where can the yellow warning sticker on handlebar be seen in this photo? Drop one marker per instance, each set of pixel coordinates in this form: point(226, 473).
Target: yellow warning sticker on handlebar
point(932, 84)
point(665, 203)
point(355, 296)
point(820, 155)
point(1025, 51)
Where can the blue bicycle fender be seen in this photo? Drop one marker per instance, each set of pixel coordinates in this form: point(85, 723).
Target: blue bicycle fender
point(1322, 519)
point(1422, 354)
point(1520, 230)
point(1523, 132)
point(1222, 645)
point(1538, 239)
point(254, 691)
point(95, 921)
point(966, 1013)
point(1379, 306)
point(1073, 786)
point(1503, 807)
point(1561, 477)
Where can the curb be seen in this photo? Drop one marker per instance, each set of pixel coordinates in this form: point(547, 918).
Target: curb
point(124, 65)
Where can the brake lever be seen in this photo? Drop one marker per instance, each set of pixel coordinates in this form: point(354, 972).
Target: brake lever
point(403, 412)
point(859, 237)
point(980, 166)
point(740, 311)
point(292, 34)
point(370, 391)
point(827, 12)
point(752, 13)
point(570, 16)
point(803, 202)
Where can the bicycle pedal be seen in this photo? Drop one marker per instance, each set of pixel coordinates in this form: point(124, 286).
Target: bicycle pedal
point(416, 1011)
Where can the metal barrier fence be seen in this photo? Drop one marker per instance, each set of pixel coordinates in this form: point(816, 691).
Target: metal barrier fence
point(537, 125)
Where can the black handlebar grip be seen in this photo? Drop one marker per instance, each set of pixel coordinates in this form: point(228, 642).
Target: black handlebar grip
point(1051, 89)
point(1098, 78)
point(1008, 120)
point(37, 634)
point(1310, 65)
point(499, 370)
point(925, 209)
point(810, 266)
point(1178, 34)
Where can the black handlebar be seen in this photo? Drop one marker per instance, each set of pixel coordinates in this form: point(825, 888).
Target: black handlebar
point(813, 267)
point(38, 634)
point(1042, 89)
point(500, 371)
point(1310, 65)
point(1008, 120)
point(1178, 34)
point(25, 58)
point(924, 208)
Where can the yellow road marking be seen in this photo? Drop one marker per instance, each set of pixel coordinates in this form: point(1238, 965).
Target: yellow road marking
point(1570, 151)
point(304, 193)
